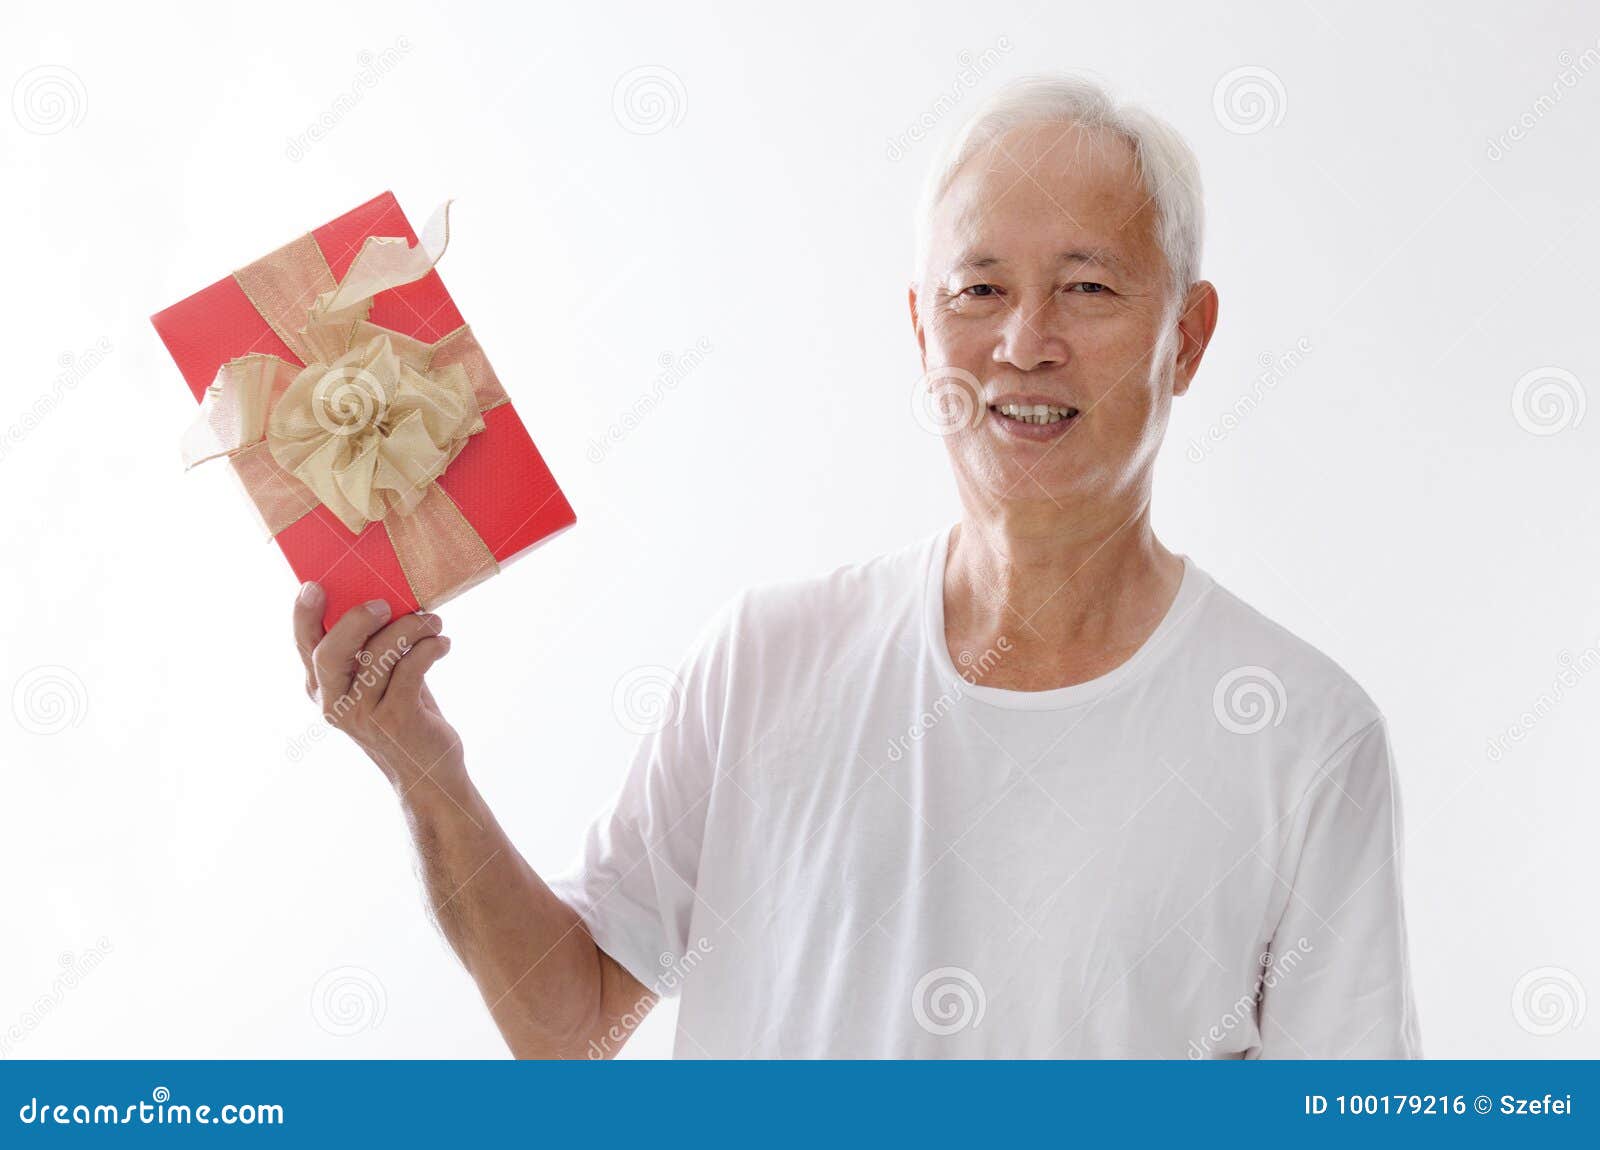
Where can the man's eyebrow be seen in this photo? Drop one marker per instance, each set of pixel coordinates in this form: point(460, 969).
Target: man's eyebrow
point(982, 261)
point(1102, 256)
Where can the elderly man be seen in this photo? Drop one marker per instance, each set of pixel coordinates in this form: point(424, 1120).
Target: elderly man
point(1033, 786)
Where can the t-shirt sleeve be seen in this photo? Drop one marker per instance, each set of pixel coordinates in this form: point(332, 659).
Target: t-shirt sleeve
point(1336, 982)
point(633, 884)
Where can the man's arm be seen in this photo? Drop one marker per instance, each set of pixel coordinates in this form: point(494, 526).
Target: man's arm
point(551, 991)
point(1339, 984)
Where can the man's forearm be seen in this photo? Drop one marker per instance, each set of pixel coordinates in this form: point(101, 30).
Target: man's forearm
point(550, 989)
point(538, 970)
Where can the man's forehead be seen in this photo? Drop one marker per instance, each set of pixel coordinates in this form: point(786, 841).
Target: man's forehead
point(1080, 189)
point(982, 233)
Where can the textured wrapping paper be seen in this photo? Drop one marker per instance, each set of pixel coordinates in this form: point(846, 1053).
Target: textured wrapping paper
point(428, 501)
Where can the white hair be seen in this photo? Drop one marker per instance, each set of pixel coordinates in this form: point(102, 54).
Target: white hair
point(1167, 166)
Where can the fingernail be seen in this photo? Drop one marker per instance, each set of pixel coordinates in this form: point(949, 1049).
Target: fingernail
point(378, 608)
point(310, 594)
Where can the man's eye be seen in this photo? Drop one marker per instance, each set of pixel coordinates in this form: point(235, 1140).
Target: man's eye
point(1089, 288)
point(979, 291)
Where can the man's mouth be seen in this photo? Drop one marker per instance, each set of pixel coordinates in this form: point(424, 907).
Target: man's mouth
point(1041, 414)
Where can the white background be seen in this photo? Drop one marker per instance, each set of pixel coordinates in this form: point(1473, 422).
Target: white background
point(167, 803)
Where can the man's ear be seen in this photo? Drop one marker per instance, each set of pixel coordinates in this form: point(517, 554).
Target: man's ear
point(1196, 323)
point(916, 322)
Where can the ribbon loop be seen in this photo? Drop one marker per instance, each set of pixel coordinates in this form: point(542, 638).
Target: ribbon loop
point(386, 262)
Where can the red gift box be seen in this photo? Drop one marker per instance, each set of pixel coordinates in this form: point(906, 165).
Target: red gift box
point(498, 481)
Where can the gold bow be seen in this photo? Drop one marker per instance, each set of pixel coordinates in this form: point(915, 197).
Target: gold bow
point(368, 419)
point(370, 431)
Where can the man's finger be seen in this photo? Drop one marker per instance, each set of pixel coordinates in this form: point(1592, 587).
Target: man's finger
point(308, 627)
point(334, 659)
point(385, 651)
point(405, 681)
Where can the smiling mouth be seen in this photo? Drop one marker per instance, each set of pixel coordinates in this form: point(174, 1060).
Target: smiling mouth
point(1036, 413)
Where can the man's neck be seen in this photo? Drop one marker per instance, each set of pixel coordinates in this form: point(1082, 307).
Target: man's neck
point(1073, 594)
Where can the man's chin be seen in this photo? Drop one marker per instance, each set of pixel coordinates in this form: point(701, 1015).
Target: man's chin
point(1010, 481)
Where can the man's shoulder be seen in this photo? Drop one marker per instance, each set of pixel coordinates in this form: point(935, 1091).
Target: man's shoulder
point(819, 607)
point(1264, 672)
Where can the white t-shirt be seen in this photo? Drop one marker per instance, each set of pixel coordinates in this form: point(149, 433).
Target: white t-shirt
point(843, 847)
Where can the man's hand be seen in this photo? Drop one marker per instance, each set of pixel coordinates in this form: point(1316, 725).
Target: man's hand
point(366, 674)
point(552, 992)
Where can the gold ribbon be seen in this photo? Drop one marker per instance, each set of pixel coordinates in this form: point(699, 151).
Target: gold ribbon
point(367, 420)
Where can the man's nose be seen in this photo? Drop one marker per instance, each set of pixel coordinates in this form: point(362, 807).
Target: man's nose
point(1029, 340)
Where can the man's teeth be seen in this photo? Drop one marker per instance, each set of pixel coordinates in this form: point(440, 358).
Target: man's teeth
point(1036, 413)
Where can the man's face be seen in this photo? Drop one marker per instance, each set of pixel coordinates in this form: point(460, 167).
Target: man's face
point(1046, 283)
